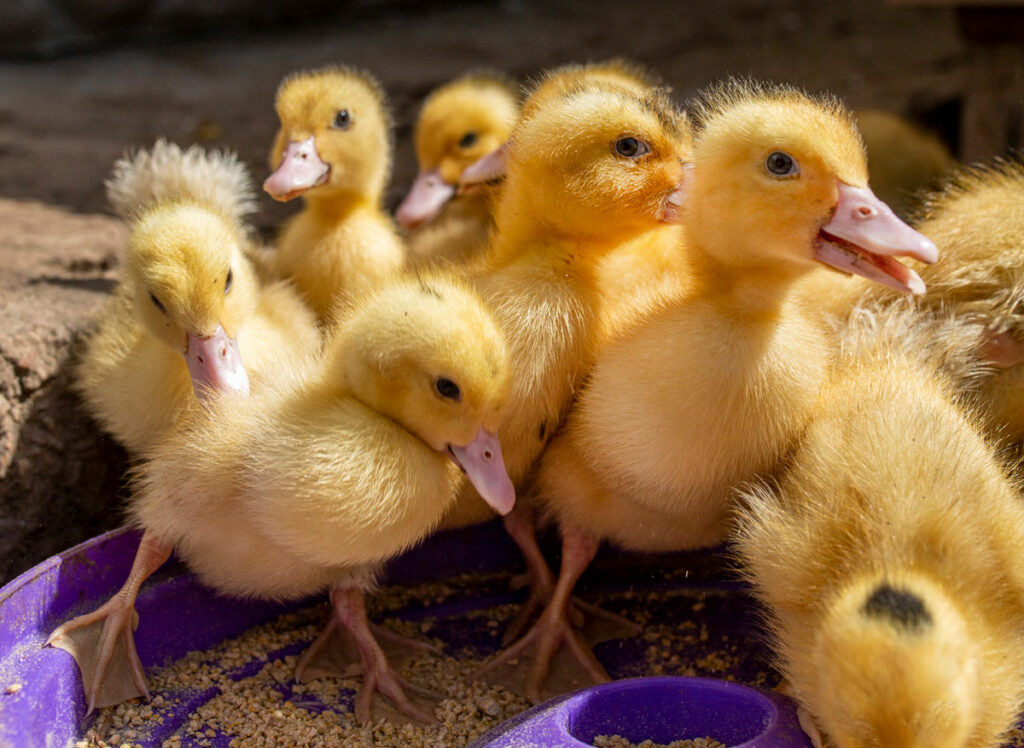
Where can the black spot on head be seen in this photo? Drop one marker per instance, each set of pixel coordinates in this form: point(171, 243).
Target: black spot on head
point(899, 606)
point(543, 429)
point(429, 291)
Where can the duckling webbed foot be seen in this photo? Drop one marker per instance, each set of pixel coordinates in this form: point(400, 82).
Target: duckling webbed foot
point(554, 629)
point(111, 673)
point(378, 674)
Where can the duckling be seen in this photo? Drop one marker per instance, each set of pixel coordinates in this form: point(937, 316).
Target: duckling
point(189, 310)
point(334, 149)
point(459, 123)
point(711, 387)
point(590, 167)
point(888, 552)
point(315, 482)
point(903, 159)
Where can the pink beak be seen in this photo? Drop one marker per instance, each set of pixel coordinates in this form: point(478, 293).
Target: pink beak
point(864, 236)
point(428, 195)
point(215, 365)
point(485, 468)
point(300, 169)
point(483, 170)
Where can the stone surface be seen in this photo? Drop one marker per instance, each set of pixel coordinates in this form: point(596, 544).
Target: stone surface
point(64, 121)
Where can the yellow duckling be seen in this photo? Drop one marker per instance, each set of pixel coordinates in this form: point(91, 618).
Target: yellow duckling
point(592, 168)
point(888, 554)
point(459, 123)
point(334, 149)
point(314, 483)
point(709, 390)
point(189, 311)
point(903, 159)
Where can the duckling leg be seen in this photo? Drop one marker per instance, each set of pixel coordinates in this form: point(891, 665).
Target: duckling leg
point(519, 525)
point(95, 651)
point(554, 629)
point(350, 609)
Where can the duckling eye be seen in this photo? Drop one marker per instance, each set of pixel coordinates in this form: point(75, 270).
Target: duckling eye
point(469, 139)
point(631, 147)
point(342, 120)
point(156, 303)
point(447, 389)
point(781, 164)
point(227, 281)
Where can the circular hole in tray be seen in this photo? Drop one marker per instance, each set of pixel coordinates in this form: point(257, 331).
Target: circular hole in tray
point(667, 709)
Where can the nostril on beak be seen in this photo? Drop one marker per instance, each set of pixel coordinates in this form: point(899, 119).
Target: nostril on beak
point(865, 211)
point(224, 351)
point(200, 359)
point(488, 454)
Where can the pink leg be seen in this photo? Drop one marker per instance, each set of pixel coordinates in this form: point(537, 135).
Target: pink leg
point(350, 608)
point(118, 617)
point(519, 526)
point(554, 628)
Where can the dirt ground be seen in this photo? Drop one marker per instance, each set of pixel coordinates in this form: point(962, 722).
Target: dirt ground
point(64, 121)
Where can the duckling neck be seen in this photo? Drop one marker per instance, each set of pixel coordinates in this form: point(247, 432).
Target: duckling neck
point(750, 289)
point(337, 206)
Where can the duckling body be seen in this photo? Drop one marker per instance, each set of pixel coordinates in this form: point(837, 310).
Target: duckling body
point(893, 537)
point(314, 482)
point(334, 149)
point(459, 123)
point(188, 293)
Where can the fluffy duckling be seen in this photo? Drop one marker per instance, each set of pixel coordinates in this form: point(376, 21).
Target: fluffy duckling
point(459, 123)
point(888, 555)
point(709, 390)
point(334, 149)
point(314, 483)
point(903, 159)
point(189, 310)
point(591, 168)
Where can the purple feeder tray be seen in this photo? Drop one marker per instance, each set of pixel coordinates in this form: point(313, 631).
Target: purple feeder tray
point(662, 709)
point(41, 700)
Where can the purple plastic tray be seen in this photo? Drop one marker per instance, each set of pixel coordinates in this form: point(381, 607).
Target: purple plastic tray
point(49, 710)
point(661, 709)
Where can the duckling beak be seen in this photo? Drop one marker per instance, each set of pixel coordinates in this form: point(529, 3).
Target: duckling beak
point(215, 365)
point(864, 236)
point(428, 195)
point(484, 466)
point(301, 169)
point(484, 170)
point(672, 208)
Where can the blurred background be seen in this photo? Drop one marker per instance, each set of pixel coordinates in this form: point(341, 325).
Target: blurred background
point(81, 81)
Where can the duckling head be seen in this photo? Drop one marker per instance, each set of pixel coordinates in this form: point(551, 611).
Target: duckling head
point(554, 83)
point(426, 352)
point(459, 124)
point(596, 163)
point(334, 137)
point(896, 667)
point(193, 289)
point(789, 172)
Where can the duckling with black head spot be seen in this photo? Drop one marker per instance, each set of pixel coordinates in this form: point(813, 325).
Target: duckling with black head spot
point(334, 149)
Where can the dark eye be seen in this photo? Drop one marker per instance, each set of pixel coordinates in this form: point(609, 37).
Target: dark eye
point(447, 389)
point(631, 147)
point(156, 303)
point(468, 140)
point(781, 164)
point(342, 119)
point(227, 281)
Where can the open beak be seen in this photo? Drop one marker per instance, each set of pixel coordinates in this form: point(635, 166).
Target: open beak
point(301, 169)
point(864, 236)
point(428, 195)
point(482, 462)
point(486, 169)
point(215, 365)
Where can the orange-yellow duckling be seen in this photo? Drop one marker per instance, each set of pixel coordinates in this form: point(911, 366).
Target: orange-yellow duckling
point(888, 554)
point(708, 390)
point(334, 149)
point(189, 315)
point(459, 123)
point(315, 482)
